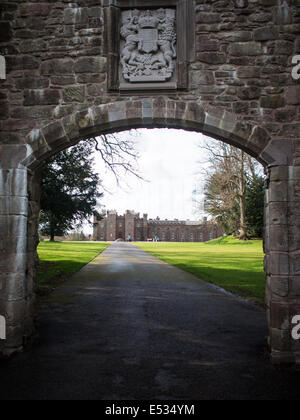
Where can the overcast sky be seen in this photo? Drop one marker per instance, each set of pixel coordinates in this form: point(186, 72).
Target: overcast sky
point(169, 163)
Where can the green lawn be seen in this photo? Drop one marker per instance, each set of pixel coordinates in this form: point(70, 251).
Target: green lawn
point(59, 260)
point(236, 266)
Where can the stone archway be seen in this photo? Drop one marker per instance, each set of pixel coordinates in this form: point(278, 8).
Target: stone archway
point(233, 83)
point(118, 116)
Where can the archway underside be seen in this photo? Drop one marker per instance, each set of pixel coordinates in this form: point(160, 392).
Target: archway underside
point(282, 243)
point(148, 113)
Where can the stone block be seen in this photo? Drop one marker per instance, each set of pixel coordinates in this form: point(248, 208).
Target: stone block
point(207, 43)
point(278, 152)
point(13, 226)
point(208, 18)
point(33, 46)
point(41, 97)
point(13, 263)
point(214, 58)
point(295, 263)
point(249, 93)
point(101, 115)
point(13, 182)
point(283, 14)
point(294, 287)
point(14, 286)
point(266, 34)
point(75, 93)
point(245, 49)
point(280, 340)
point(76, 16)
point(279, 286)
point(195, 112)
point(279, 238)
point(11, 156)
point(117, 112)
point(42, 9)
point(201, 77)
point(280, 316)
point(278, 192)
point(278, 213)
point(147, 110)
point(258, 139)
point(180, 109)
point(13, 206)
point(85, 119)
point(293, 95)
point(53, 132)
point(248, 72)
point(272, 101)
point(58, 67)
point(134, 110)
point(279, 264)
point(90, 65)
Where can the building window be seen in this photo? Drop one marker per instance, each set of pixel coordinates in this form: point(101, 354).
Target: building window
point(201, 236)
point(102, 236)
point(120, 224)
point(173, 236)
point(163, 236)
point(191, 237)
point(138, 225)
point(182, 236)
point(138, 236)
point(210, 236)
point(102, 225)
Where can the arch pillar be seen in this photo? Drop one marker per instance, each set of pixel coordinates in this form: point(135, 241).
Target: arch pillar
point(14, 296)
point(282, 261)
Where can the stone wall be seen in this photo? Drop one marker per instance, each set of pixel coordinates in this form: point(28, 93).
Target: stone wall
point(236, 85)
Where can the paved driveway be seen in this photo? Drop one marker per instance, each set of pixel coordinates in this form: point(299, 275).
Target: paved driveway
point(129, 326)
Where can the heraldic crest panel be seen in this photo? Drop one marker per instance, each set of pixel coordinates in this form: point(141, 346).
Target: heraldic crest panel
point(148, 46)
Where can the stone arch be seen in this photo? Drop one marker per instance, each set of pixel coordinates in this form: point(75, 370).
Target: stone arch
point(119, 116)
point(147, 113)
point(234, 83)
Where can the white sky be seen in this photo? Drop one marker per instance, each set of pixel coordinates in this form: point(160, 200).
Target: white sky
point(169, 162)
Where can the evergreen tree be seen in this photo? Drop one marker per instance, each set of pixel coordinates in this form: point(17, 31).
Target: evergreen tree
point(255, 201)
point(69, 190)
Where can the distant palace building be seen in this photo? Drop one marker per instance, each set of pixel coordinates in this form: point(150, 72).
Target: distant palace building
point(132, 227)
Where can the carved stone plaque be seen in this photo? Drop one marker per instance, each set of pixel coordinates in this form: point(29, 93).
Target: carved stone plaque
point(148, 48)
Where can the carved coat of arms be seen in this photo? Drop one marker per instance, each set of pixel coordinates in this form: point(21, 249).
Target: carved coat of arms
point(148, 50)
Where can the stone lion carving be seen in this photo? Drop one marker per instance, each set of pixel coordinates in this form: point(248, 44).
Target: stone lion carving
point(148, 50)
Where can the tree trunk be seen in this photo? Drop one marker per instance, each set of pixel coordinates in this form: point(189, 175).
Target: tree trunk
point(52, 230)
point(243, 227)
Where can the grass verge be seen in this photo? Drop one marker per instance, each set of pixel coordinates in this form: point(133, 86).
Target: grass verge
point(59, 260)
point(227, 262)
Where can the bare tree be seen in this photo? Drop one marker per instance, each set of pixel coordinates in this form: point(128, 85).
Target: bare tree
point(119, 154)
point(227, 172)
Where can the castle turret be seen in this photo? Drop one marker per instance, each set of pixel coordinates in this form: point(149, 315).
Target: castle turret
point(129, 225)
point(145, 227)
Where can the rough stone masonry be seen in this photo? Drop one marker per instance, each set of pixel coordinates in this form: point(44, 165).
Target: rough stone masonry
point(228, 74)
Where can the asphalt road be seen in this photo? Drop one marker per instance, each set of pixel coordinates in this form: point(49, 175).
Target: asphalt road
point(129, 326)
